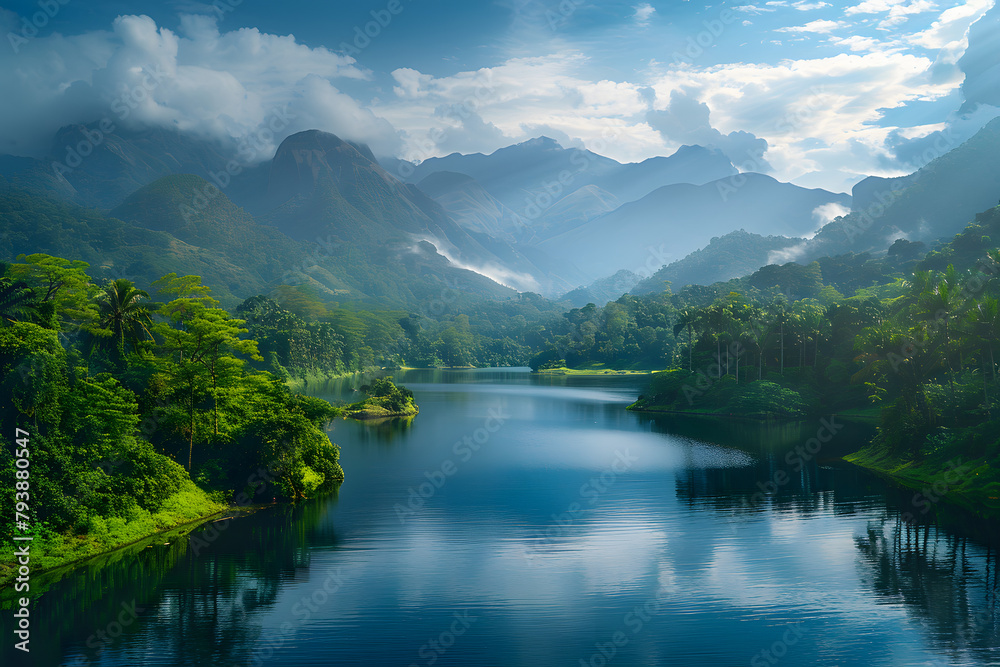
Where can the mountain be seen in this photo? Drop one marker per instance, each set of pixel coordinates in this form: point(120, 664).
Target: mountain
point(601, 291)
point(734, 255)
point(531, 176)
point(179, 206)
point(471, 206)
point(935, 201)
point(237, 256)
point(92, 167)
point(321, 187)
point(573, 210)
point(675, 220)
point(31, 224)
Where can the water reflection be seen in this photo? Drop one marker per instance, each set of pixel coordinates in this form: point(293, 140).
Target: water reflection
point(549, 551)
point(196, 601)
point(947, 583)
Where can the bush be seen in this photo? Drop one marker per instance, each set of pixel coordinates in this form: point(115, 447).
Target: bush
point(768, 398)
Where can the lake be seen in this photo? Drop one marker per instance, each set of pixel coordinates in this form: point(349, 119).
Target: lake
point(531, 520)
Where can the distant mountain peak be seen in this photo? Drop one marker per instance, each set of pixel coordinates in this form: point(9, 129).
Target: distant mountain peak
point(543, 143)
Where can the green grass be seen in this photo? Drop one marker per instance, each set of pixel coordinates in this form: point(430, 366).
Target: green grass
point(595, 368)
point(52, 550)
point(372, 408)
point(971, 483)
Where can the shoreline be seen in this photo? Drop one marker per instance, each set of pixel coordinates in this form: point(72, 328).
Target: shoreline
point(934, 483)
point(562, 370)
point(78, 561)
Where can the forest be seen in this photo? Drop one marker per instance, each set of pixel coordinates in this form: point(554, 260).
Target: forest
point(151, 407)
point(144, 409)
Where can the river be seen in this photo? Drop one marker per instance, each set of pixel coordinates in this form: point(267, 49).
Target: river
point(531, 520)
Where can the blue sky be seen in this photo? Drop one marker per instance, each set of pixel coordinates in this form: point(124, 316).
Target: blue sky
point(816, 92)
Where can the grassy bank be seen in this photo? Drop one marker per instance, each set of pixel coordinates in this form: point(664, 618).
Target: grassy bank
point(592, 369)
point(971, 483)
point(52, 550)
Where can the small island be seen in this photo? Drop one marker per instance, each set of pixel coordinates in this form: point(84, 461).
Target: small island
point(385, 399)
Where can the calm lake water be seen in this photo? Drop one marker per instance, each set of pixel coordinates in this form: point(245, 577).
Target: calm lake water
point(526, 520)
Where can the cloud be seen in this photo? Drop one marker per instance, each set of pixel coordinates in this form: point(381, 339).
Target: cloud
point(819, 26)
point(523, 93)
point(754, 9)
point(818, 115)
point(826, 213)
point(981, 62)
point(685, 120)
point(465, 131)
point(915, 147)
point(643, 14)
point(221, 86)
point(790, 254)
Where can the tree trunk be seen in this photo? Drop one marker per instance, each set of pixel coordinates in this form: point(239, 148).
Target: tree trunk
point(191, 433)
point(782, 362)
point(690, 349)
point(986, 398)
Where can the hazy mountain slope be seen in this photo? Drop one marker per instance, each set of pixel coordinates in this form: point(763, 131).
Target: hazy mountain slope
point(603, 290)
point(675, 220)
point(172, 204)
point(734, 255)
point(573, 210)
point(95, 168)
point(537, 173)
point(936, 201)
point(116, 249)
point(471, 206)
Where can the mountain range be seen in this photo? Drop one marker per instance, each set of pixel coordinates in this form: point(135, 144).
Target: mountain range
point(324, 212)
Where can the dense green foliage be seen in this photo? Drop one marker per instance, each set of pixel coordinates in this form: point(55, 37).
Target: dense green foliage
point(914, 339)
point(384, 399)
point(128, 400)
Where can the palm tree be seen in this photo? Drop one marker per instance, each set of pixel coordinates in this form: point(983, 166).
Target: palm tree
point(941, 301)
point(17, 301)
point(757, 331)
point(984, 324)
point(123, 314)
point(687, 319)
